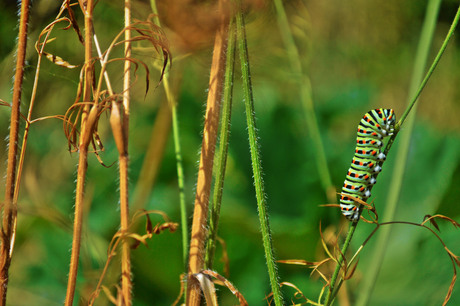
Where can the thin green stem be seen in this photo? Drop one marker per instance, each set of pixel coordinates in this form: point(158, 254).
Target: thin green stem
point(403, 149)
point(177, 149)
point(433, 66)
point(331, 293)
point(306, 100)
point(180, 173)
point(255, 158)
point(221, 157)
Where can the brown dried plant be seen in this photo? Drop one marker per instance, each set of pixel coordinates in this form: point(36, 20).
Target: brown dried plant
point(81, 121)
point(203, 188)
point(10, 203)
point(93, 98)
point(39, 46)
point(133, 241)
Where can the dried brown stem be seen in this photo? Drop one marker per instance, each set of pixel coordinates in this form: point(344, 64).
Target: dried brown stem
point(200, 214)
point(10, 206)
point(88, 119)
point(122, 144)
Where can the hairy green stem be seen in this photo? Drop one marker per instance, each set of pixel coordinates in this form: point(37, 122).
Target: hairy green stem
point(255, 158)
point(221, 157)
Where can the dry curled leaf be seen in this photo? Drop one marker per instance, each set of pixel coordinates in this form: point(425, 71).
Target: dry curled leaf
point(225, 282)
point(207, 288)
point(298, 294)
point(299, 262)
point(73, 21)
point(432, 220)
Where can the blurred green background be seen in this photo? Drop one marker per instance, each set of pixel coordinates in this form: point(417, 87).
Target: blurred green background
point(359, 56)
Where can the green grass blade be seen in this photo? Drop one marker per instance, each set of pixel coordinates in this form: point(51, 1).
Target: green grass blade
point(306, 100)
point(177, 149)
point(255, 158)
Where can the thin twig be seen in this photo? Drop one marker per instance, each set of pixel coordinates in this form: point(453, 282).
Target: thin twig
point(85, 137)
point(10, 206)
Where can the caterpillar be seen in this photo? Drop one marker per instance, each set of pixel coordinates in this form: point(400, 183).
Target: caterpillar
point(366, 163)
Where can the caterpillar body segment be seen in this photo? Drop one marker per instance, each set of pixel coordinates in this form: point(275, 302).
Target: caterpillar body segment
point(366, 165)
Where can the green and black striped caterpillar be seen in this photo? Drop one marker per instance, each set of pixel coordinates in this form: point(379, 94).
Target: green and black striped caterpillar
point(374, 126)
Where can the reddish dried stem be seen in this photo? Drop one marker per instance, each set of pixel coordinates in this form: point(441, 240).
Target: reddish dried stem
point(85, 138)
point(10, 206)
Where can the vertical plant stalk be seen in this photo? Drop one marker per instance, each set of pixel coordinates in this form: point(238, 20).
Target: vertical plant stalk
point(177, 149)
point(120, 128)
point(255, 158)
point(203, 188)
point(10, 205)
point(180, 173)
point(88, 119)
point(180, 169)
point(333, 289)
point(423, 50)
point(306, 100)
point(221, 158)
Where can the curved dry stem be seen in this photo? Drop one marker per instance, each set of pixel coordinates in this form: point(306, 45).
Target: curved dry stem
point(453, 258)
point(123, 236)
point(227, 284)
